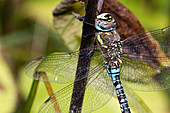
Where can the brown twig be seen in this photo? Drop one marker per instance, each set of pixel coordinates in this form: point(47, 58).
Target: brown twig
point(84, 62)
point(50, 92)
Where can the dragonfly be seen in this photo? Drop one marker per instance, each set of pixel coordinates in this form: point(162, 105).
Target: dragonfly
point(140, 62)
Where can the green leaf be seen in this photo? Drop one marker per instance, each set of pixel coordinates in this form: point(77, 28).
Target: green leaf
point(8, 90)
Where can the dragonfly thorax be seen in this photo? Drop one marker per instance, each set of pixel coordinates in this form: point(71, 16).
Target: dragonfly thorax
point(105, 22)
point(110, 45)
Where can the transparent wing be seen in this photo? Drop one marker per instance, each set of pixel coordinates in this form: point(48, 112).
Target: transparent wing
point(135, 102)
point(60, 68)
point(141, 76)
point(150, 47)
point(99, 91)
point(146, 63)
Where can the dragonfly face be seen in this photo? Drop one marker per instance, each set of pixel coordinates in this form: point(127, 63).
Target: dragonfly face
point(105, 22)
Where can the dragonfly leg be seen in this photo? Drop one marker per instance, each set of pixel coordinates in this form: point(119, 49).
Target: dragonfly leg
point(91, 26)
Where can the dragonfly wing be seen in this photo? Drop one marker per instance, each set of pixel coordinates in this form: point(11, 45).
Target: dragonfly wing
point(135, 102)
point(60, 68)
point(99, 91)
point(146, 60)
point(150, 47)
point(56, 67)
point(59, 102)
point(141, 76)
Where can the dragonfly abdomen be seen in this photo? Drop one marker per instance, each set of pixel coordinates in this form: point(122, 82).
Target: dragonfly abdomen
point(114, 73)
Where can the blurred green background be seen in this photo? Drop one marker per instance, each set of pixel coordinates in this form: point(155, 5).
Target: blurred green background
point(27, 31)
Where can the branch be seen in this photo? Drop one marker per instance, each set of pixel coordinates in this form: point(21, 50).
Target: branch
point(84, 62)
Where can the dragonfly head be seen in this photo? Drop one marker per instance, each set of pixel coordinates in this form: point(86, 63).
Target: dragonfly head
point(105, 22)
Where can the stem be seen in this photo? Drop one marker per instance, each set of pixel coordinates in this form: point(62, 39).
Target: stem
point(84, 62)
point(31, 96)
